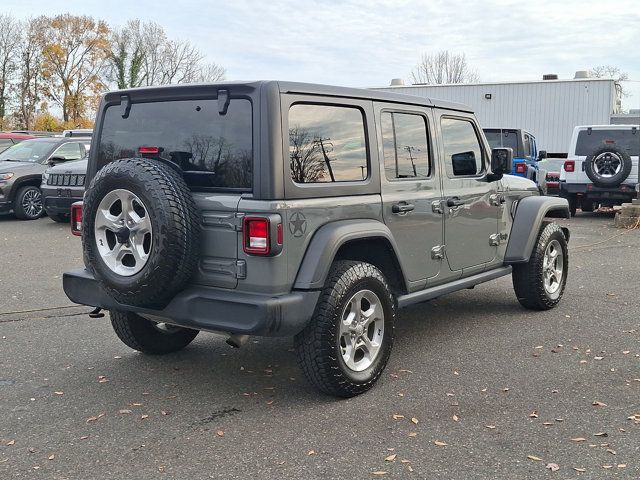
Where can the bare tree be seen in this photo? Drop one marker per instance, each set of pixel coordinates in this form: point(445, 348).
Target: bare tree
point(210, 72)
point(305, 159)
point(609, 71)
point(443, 67)
point(124, 66)
point(30, 78)
point(10, 38)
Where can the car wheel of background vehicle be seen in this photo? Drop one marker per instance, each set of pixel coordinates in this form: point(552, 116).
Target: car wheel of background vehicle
point(150, 337)
point(28, 203)
point(587, 206)
point(347, 344)
point(608, 166)
point(141, 231)
point(539, 283)
point(60, 217)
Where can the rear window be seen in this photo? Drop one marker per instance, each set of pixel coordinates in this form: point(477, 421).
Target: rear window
point(213, 150)
point(503, 139)
point(589, 140)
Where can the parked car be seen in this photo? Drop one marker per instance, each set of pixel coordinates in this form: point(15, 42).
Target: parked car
point(549, 175)
point(10, 139)
point(524, 146)
point(601, 167)
point(275, 208)
point(21, 169)
point(63, 185)
point(78, 132)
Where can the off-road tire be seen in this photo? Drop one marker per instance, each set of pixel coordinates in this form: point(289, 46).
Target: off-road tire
point(175, 248)
point(142, 335)
point(60, 217)
point(615, 180)
point(528, 281)
point(19, 210)
point(317, 346)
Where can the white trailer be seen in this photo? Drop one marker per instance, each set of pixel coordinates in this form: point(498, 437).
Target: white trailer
point(549, 109)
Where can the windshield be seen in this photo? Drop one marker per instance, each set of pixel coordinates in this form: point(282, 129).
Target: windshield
point(590, 140)
point(213, 150)
point(28, 151)
point(503, 138)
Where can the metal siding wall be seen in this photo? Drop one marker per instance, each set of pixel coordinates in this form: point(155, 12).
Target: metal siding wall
point(549, 110)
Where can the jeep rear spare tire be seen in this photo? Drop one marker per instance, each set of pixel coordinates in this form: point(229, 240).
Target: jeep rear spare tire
point(608, 166)
point(141, 231)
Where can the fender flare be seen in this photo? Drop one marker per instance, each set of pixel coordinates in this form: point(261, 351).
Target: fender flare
point(32, 179)
point(529, 215)
point(326, 243)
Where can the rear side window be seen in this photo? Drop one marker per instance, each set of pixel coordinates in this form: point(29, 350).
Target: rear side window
point(405, 146)
point(327, 144)
point(463, 154)
point(213, 150)
point(590, 140)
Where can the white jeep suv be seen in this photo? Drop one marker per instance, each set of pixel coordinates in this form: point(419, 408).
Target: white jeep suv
point(602, 166)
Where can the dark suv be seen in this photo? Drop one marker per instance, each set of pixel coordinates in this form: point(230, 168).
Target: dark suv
point(63, 185)
point(21, 169)
point(275, 208)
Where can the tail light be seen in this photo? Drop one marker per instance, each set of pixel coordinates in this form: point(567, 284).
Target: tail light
point(521, 167)
point(149, 150)
point(262, 235)
point(76, 219)
point(569, 166)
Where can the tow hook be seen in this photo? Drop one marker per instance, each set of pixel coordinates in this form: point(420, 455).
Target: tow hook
point(96, 313)
point(236, 341)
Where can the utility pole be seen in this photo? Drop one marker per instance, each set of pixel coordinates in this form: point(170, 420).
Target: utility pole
point(409, 150)
point(327, 160)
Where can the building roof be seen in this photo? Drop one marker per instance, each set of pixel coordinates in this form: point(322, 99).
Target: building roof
point(514, 82)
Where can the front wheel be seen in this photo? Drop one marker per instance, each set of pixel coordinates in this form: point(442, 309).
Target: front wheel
point(347, 344)
point(150, 337)
point(539, 283)
point(28, 203)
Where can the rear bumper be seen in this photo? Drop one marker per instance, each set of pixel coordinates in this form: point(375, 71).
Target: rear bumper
point(59, 205)
point(593, 192)
point(212, 309)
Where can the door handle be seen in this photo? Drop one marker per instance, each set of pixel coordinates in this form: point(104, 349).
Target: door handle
point(453, 202)
point(402, 208)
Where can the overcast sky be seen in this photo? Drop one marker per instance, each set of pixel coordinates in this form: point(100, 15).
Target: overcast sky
point(365, 43)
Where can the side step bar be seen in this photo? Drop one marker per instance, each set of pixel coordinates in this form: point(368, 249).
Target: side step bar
point(439, 290)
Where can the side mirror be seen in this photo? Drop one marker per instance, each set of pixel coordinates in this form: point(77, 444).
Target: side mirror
point(501, 163)
point(56, 160)
point(542, 154)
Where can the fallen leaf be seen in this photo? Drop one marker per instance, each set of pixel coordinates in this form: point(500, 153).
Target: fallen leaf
point(220, 433)
point(164, 413)
point(397, 417)
point(11, 442)
point(124, 411)
point(93, 419)
point(579, 439)
point(622, 465)
point(391, 458)
point(547, 424)
point(597, 403)
point(84, 437)
point(409, 468)
point(59, 393)
point(412, 434)
point(490, 427)
point(533, 457)
point(598, 358)
point(379, 473)
point(533, 414)
point(51, 457)
point(312, 452)
point(581, 470)
point(440, 444)
point(601, 434)
point(626, 352)
point(607, 466)
point(270, 402)
point(554, 467)
point(136, 404)
point(404, 460)
point(455, 418)
point(142, 417)
point(405, 371)
point(414, 420)
point(612, 452)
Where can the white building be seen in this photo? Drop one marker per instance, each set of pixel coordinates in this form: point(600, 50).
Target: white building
point(549, 109)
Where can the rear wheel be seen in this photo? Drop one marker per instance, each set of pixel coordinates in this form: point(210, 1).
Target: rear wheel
point(573, 204)
point(347, 344)
point(28, 203)
point(150, 337)
point(539, 283)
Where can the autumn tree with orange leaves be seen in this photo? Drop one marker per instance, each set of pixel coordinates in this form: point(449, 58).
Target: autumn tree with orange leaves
point(74, 52)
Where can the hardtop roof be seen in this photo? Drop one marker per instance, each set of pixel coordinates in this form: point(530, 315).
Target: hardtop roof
point(300, 88)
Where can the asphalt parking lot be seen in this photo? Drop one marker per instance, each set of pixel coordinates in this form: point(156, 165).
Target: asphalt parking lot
point(476, 387)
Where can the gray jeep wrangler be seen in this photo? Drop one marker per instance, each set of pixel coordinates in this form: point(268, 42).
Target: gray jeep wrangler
point(276, 208)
